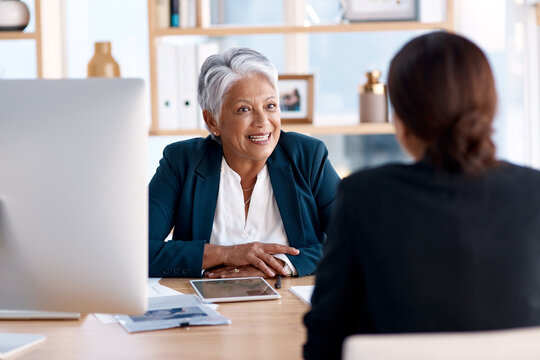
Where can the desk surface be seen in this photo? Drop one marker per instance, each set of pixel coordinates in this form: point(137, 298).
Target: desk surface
point(270, 329)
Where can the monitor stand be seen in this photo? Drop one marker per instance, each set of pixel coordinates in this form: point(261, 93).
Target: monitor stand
point(37, 315)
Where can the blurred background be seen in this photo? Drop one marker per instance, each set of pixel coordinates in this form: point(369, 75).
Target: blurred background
point(507, 30)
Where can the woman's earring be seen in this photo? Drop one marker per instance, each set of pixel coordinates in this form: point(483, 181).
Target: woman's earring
point(215, 133)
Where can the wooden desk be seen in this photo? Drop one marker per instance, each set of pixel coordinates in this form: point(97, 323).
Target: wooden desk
point(270, 329)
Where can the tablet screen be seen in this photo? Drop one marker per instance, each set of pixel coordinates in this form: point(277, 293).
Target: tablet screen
point(238, 289)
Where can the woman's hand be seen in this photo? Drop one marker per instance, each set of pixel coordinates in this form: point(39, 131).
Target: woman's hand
point(257, 254)
point(233, 272)
point(238, 271)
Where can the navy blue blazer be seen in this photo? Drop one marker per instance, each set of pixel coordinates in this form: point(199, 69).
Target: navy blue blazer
point(183, 195)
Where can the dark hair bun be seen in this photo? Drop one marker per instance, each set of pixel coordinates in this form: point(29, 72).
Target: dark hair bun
point(465, 145)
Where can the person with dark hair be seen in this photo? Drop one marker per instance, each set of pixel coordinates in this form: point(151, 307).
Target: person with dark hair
point(448, 243)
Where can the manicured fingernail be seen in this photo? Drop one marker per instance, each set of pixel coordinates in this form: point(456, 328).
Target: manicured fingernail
point(272, 274)
point(210, 274)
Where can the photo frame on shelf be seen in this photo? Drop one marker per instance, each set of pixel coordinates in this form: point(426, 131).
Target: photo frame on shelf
point(381, 10)
point(296, 98)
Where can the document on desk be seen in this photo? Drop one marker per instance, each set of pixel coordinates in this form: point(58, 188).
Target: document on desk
point(303, 292)
point(154, 289)
point(12, 344)
point(167, 312)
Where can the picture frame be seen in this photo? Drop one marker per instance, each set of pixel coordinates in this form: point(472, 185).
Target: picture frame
point(296, 98)
point(381, 10)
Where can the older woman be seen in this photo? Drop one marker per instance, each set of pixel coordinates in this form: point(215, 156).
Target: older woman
point(449, 243)
point(248, 200)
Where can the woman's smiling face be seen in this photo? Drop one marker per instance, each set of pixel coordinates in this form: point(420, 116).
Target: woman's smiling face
point(250, 121)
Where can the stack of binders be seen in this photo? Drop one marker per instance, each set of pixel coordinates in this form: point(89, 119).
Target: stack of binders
point(178, 68)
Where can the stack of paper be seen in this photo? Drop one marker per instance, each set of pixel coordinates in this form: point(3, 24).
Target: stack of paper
point(303, 292)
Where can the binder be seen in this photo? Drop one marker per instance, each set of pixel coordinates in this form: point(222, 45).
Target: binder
point(167, 75)
point(187, 86)
point(204, 50)
point(178, 69)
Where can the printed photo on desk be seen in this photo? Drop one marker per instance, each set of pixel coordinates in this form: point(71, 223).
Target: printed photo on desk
point(296, 98)
point(172, 311)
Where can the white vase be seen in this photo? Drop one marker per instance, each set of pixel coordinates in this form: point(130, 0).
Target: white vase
point(14, 15)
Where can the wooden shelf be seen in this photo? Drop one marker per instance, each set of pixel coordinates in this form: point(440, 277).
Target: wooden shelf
point(180, 132)
point(224, 30)
point(359, 129)
point(36, 36)
point(16, 35)
point(155, 33)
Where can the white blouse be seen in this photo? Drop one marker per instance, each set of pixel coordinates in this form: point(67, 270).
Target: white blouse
point(263, 222)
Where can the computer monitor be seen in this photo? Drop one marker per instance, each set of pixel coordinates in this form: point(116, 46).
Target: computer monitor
point(73, 195)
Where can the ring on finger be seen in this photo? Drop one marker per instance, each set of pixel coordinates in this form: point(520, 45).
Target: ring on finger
point(235, 270)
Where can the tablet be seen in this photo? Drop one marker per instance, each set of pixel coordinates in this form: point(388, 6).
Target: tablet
point(236, 289)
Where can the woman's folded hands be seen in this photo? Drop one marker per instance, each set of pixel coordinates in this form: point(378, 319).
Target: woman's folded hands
point(251, 259)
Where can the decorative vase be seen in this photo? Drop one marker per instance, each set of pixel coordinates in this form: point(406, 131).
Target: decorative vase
point(373, 101)
point(102, 63)
point(14, 15)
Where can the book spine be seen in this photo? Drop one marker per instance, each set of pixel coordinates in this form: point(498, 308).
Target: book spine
point(203, 13)
point(175, 13)
point(192, 13)
point(163, 15)
point(184, 14)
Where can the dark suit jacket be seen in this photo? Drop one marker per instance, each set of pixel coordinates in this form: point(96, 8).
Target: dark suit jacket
point(410, 249)
point(183, 194)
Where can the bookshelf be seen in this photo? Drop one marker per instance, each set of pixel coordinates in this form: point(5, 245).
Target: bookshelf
point(155, 33)
point(225, 30)
point(36, 36)
point(360, 129)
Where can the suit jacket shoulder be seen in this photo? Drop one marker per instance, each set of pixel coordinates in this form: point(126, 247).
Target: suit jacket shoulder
point(189, 151)
point(299, 146)
point(304, 153)
point(371, 180)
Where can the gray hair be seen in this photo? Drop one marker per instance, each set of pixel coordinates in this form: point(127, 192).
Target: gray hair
point(220, 72)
